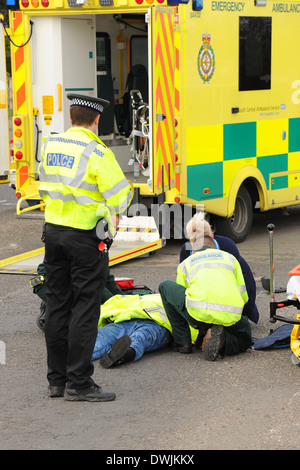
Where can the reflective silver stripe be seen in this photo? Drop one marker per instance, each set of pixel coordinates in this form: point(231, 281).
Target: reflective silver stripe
point(159, 310)
point(76, 182)
point(84, 160)
point(242, 288)
point(192, 273)
point(184, 270)
point(214, 307)
point(123, 206)
point(232, 258)
point(115, 209)
point(67, 181)
point(46, 142)
point(80, 200)
point(41, 166)
point(115, 189)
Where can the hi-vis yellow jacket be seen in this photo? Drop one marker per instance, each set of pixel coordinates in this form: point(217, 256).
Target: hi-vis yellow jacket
point(81, 181)
point(121, 308)
point(215, 286)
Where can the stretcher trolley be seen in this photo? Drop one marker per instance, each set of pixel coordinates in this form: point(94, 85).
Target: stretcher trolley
point(293, 295)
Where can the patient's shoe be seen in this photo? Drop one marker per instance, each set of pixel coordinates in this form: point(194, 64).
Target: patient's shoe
point(119, 354)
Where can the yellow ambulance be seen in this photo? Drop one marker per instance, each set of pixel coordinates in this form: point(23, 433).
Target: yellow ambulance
point(205, 97)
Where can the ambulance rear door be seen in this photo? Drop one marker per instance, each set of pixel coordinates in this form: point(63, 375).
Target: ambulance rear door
point(4, 129)
point(162, 70)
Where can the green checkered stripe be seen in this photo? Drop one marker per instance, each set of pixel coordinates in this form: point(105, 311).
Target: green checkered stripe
point(239, 141)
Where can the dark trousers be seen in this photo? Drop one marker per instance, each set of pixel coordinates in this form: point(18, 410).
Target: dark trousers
point(238, 337)
point(76, 273)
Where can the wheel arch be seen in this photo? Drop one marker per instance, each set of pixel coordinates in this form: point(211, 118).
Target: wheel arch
point(254, 182)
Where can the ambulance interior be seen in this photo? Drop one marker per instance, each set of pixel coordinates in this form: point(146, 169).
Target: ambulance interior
point(122, 77)
point(99, 55)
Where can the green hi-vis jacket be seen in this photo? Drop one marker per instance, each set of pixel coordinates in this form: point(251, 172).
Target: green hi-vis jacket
point(80, 180)
point(121, 308)
point(215, 286)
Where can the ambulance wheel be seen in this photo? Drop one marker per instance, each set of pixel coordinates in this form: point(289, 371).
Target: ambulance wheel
point(239, 225)
point(295, 360)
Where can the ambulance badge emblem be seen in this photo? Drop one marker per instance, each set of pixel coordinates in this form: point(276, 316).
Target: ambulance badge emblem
point(206, 59)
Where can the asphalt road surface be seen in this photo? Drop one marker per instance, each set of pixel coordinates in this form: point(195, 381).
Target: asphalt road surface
point(166, 401)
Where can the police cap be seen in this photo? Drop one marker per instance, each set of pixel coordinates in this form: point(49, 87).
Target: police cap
point(98, 104)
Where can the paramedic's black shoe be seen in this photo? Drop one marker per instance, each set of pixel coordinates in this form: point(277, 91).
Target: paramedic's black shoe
point(213, 348)
point(56, 391)
point(93, 393)
point(120, 353)
point(182, 348)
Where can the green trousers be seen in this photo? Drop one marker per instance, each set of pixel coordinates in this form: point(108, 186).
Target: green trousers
point(238, 337)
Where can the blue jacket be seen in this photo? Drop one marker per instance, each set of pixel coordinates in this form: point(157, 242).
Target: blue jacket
point(226, 244)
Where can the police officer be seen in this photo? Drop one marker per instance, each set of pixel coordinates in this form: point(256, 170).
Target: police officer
point(83, 187)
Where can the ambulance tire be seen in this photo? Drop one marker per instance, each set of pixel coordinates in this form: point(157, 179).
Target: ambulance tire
point(239, 225)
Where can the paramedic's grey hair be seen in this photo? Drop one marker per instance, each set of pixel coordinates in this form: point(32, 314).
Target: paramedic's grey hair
point(196, 229)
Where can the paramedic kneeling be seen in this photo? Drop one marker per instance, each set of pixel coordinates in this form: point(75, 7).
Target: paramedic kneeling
point(81, 184)
point(209, 294)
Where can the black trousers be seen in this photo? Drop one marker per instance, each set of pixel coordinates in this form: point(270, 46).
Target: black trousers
point(76, 273)
point(238, 337)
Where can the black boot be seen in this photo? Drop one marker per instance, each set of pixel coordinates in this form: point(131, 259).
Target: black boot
point(214, 346)
point(119, 354)
point(93, 393)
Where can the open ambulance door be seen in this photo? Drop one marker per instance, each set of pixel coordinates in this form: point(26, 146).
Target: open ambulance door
point(162, 70)
point(4, 132)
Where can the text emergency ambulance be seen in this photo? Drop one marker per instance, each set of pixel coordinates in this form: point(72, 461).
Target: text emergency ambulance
point(205, 97)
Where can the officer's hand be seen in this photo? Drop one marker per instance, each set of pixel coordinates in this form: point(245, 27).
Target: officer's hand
point(115, 220)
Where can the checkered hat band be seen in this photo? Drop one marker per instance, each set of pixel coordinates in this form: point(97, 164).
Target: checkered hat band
point(89, 104)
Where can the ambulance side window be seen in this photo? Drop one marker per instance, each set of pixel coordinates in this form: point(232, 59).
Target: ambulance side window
point(139, 50)
point(255, 53)
point(103, 50)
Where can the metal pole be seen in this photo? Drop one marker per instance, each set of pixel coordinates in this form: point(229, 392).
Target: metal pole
point(271, 228)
